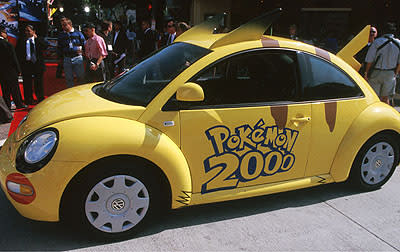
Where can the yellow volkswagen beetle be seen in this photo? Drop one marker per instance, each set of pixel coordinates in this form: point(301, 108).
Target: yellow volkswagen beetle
point(210, 118)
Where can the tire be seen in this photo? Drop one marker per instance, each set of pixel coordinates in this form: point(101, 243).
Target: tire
point(375, 162)
point(114, 201)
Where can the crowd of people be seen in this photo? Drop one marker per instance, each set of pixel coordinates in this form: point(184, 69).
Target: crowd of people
point(98, 54)
point(102, 52)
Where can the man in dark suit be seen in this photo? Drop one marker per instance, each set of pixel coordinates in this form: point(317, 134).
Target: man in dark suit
point(171, 28)
point(105, 33)
point(120, 47)
point(9, 72)
point(148, 41)
point(30, 54)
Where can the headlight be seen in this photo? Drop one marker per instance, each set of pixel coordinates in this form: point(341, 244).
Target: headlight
point(40, 146)
point(36, 151)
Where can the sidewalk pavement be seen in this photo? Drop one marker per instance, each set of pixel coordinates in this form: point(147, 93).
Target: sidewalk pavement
point(4, 128)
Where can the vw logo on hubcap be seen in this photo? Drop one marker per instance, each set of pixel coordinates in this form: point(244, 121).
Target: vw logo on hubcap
point(378, 163)
point(118, 204)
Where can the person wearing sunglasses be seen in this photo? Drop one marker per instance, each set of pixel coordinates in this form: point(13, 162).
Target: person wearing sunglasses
point(373, 33)
point(383, 63)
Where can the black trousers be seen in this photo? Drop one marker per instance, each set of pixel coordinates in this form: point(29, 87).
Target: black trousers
point(10, 87)
point(108, 68)
point(33, 79)
point(95, 76)
point(5, 113)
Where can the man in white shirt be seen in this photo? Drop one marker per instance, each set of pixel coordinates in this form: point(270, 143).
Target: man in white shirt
point(30, 54)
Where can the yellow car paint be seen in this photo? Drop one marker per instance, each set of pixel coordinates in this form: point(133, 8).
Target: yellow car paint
point(376, 118)
point(74, 103)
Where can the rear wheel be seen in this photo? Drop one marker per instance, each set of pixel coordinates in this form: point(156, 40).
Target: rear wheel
point(375, 162)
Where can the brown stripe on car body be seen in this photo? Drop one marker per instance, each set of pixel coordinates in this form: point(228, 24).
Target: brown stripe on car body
point(268, 42)
point(322, 53)
point(280, 115)
point(330, 114)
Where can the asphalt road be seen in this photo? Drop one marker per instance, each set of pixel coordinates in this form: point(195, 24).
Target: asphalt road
point(324, 218)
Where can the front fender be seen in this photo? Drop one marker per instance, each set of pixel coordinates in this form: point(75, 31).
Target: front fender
point(376, 118)
point(92, 138)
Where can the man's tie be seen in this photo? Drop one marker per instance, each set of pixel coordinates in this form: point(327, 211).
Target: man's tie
point(33, 51)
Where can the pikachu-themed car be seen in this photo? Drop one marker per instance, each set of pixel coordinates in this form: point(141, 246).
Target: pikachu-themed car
point(210, 118)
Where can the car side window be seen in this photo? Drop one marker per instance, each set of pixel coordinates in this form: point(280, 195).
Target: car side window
point(322, 80)
point(248, 78)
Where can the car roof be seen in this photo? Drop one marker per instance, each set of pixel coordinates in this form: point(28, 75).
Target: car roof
point(250, 34)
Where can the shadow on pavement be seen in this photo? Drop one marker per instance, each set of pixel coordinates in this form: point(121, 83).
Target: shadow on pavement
point(19, 233)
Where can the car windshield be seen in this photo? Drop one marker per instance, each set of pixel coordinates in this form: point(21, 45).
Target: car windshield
point(142, 83)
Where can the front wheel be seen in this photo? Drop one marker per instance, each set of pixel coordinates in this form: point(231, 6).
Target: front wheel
point(375, 162)
point(113, 202)
point(117, 203)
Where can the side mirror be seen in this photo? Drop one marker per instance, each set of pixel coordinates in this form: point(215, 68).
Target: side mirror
point(190, 92)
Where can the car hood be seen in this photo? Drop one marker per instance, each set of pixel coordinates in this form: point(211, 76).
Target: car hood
point(73, 103)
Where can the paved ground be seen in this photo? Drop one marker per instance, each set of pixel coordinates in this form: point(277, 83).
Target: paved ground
point(325, 218)
point(4, 132)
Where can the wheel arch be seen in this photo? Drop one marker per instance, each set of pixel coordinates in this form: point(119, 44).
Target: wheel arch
point(376, 119)
point(81, 176)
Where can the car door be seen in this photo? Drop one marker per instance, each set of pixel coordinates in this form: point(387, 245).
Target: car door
point(249, 130)
point(336, 100)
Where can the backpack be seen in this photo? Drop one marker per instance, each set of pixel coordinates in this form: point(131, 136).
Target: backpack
point(389, 40)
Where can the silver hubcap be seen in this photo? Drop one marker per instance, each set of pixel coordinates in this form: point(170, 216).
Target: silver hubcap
point(117, 203)
point(377, 163)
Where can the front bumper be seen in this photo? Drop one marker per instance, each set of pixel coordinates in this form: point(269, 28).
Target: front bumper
point(49, 184)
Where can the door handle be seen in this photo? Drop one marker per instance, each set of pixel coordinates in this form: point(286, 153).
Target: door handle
point(297, 121)
point(301, 119)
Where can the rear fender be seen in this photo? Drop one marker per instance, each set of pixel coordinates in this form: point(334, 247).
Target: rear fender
point(376, 118)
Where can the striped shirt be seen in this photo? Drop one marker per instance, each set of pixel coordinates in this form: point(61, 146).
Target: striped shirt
point(69, 43)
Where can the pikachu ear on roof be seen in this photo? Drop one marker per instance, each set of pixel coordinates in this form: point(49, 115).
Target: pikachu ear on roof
point(353, 47)
point(202, 30)
point(251, 30)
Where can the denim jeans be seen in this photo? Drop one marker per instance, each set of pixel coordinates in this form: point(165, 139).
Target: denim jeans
point(73, 66)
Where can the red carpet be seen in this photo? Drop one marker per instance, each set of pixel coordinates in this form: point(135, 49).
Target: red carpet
point(51, 85)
